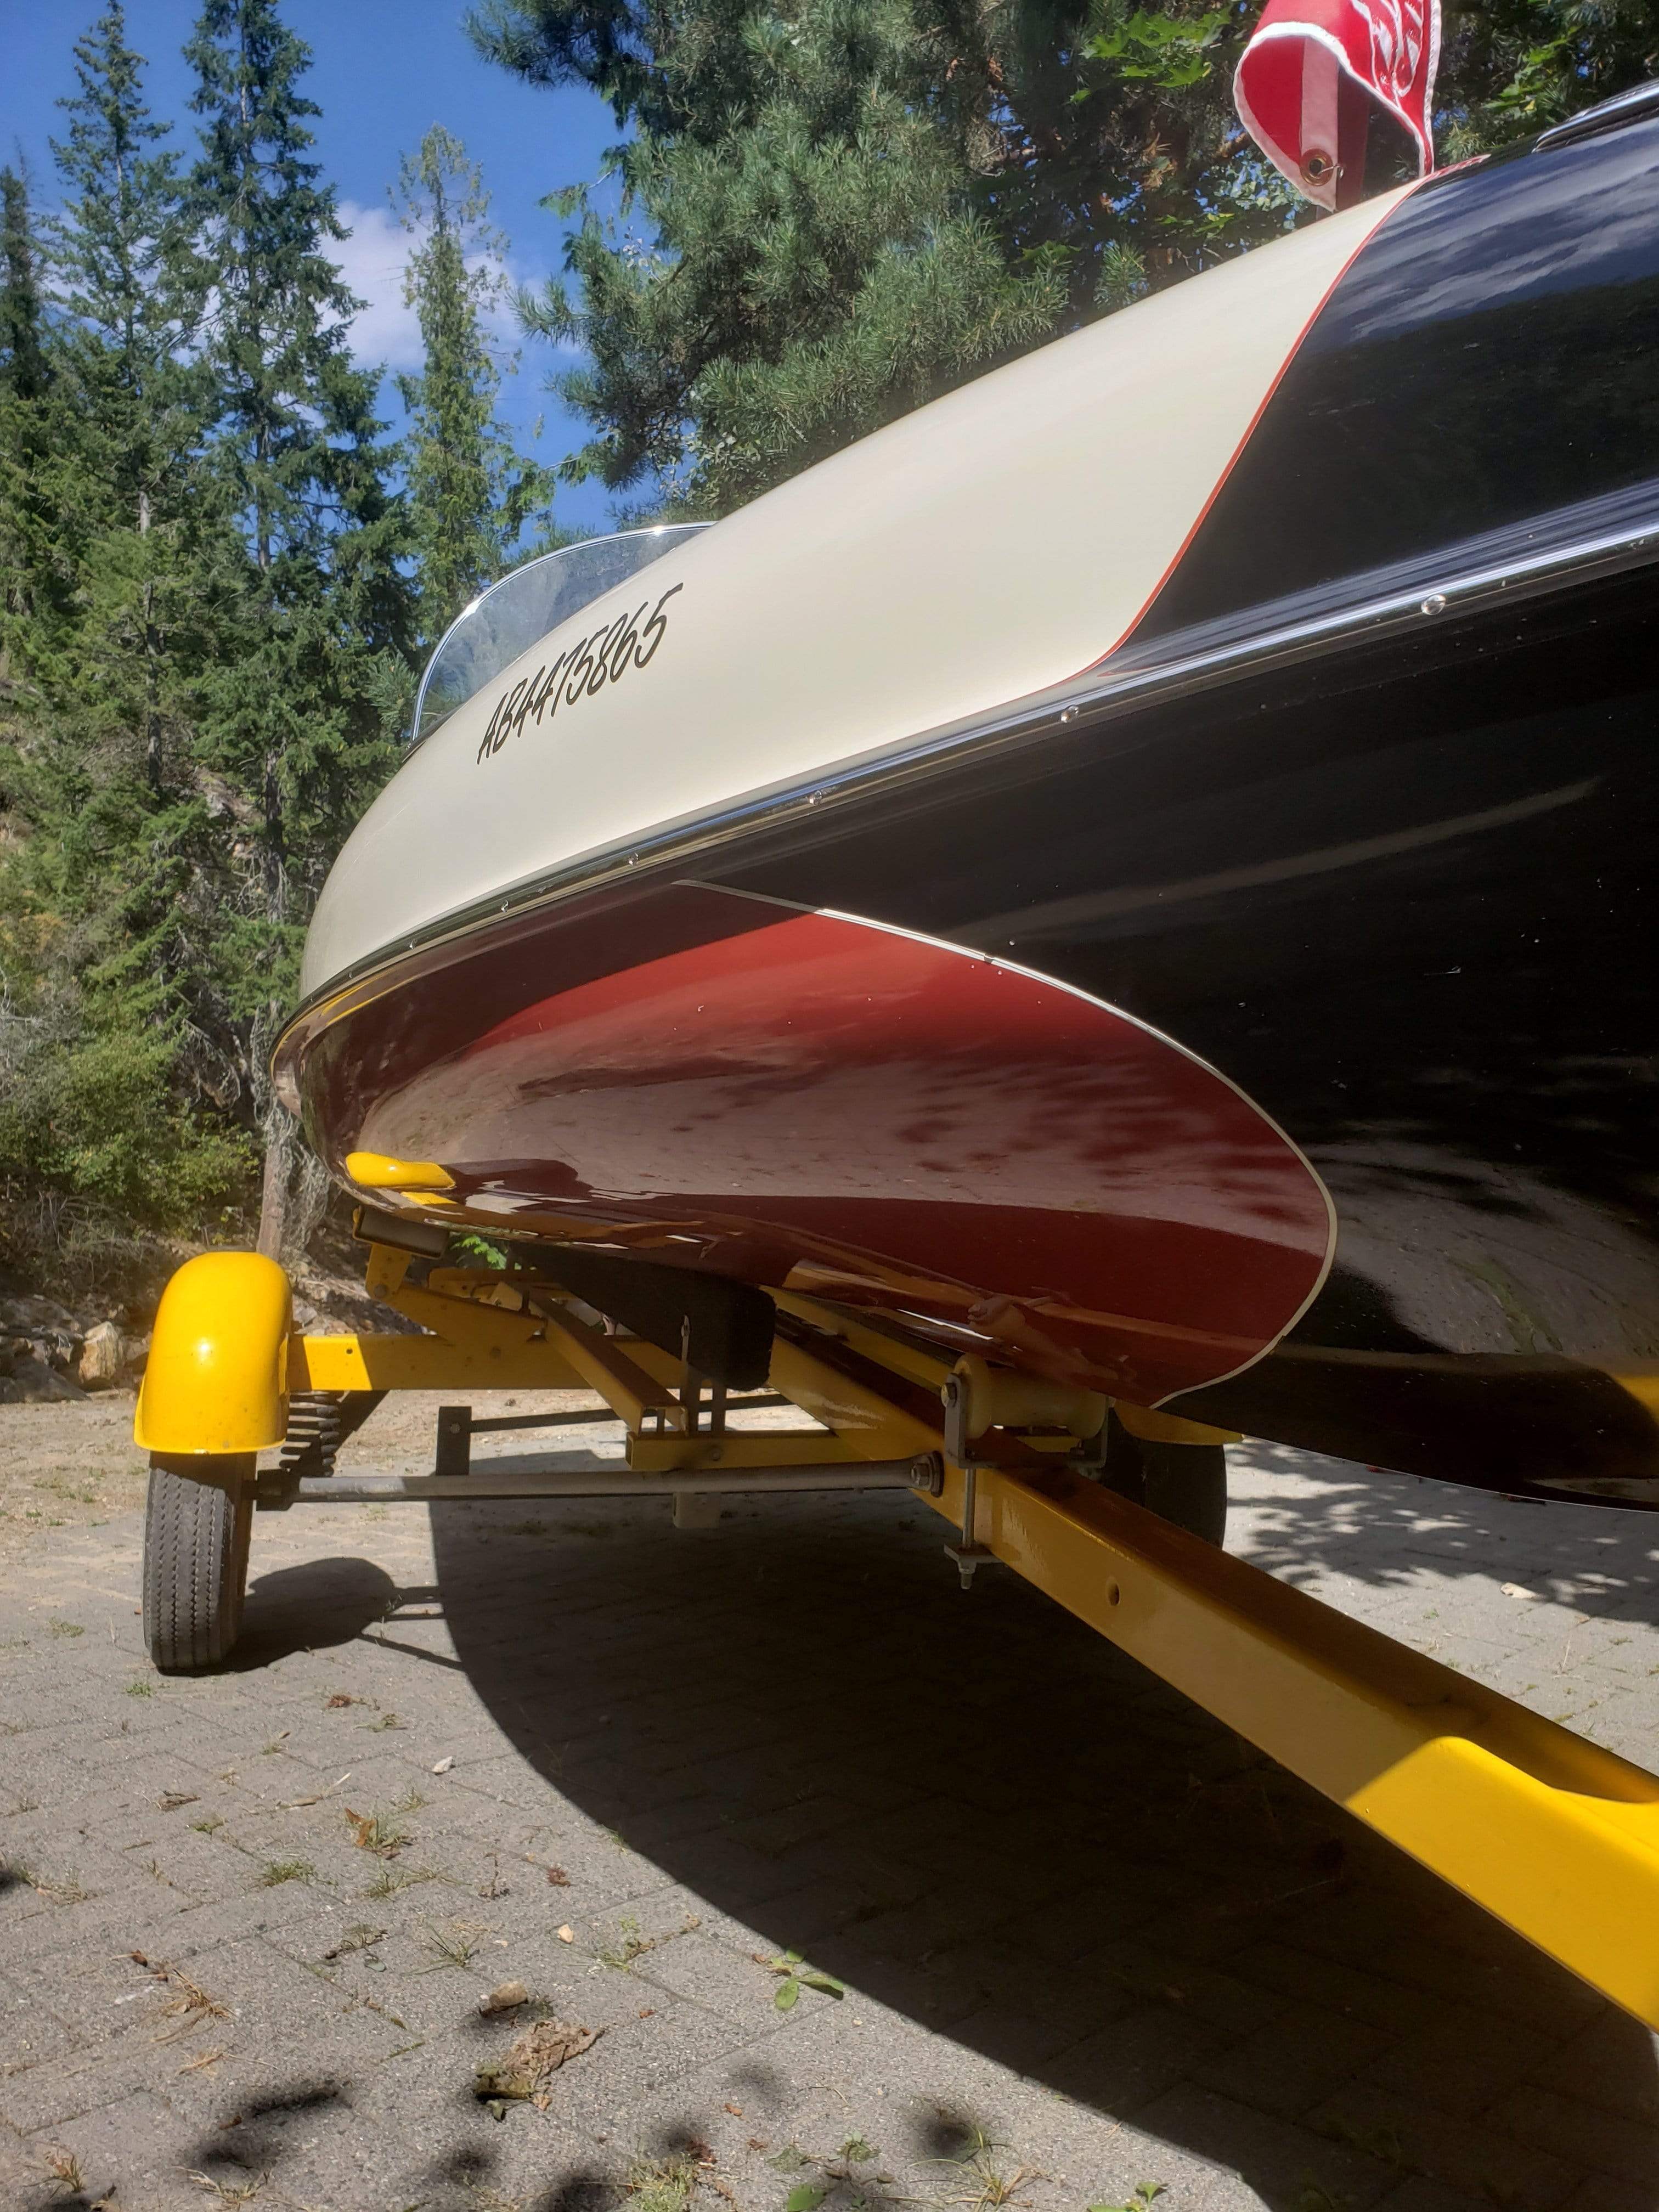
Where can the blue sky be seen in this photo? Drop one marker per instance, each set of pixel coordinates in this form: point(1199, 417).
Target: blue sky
point(383, 70)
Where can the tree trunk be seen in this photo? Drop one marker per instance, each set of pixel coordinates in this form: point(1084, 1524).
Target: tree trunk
point(280, 1136)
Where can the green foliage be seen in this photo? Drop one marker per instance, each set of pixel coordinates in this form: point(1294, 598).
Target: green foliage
point(794, 1976)
point(854, 205)
point(832, 210)
point(23, 364)
point(1509, 68)
point(208, 616)
point(469, 496)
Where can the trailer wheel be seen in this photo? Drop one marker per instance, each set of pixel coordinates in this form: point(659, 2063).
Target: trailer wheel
point(1184, 1483)
point(197, 1526)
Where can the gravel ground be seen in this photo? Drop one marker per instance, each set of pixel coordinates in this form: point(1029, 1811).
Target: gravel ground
point(1089, 1943)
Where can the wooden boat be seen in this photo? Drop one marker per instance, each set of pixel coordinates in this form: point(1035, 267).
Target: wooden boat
point(1143, 870)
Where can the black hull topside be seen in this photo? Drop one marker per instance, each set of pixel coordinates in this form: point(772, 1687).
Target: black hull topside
point(1400, 890)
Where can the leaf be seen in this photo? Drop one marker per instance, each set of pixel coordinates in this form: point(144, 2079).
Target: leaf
point(793, 1957)
point(805, 2196)
point(827, 1982)
point(788, 1996)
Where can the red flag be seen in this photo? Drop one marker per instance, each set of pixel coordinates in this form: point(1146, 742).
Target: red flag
point(1307, 82)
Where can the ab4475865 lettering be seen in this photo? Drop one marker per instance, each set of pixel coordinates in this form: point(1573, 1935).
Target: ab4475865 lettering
point(580, 672)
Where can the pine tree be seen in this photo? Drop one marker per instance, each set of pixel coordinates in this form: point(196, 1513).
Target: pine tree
point(34, 582)
point(22, 363)
point(1512, 67)
point(297, 713)
point(851, 205)
point(831, 210)
point(121, 266)
point(469, 496)
point(107, 887)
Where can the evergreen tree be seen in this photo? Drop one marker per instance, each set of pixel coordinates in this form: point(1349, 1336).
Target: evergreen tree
point(119, 250)
point(22, 363)
point(469, 496)
point(854, 204)
point(296, 712)
point(33, 577)
point(1509, 68)
point(845, 207)
point(105, 1058)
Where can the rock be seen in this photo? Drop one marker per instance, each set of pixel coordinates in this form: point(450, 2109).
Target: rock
point(23, 1314)
point(102, 1356)
point(28, 1381)
point(505, 1998)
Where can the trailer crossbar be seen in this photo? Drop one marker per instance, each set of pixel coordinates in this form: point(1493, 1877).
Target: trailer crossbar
point(415, 1489)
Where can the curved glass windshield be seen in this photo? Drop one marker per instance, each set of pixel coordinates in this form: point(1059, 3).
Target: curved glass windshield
point(508, 618)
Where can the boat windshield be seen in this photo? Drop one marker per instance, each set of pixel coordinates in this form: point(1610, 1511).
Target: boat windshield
point(507, 618)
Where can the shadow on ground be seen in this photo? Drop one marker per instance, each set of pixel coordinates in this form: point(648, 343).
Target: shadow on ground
point(311, 1608)
point(1385, 1529)
point(973, 1810)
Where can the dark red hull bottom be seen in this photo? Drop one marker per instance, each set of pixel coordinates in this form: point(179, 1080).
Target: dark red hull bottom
point(815, 1104)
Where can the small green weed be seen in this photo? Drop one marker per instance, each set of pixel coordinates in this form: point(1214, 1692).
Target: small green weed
point(389, 1880)
point(795, 1975)
point(662, 2184)
point(377, 1832)
point(66, 1628)
point(450, 1947)
point(358, 1937)
point(140, 1687)
point(209, 1824)
point(1139, 2197)
point(628, 1944)
point(277, 1871)
point(630, 1941)
point(59, 1889)
point(63, 2171)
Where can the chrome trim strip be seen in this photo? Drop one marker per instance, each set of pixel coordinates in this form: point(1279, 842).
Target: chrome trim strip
point(1624, 107)
point(1022, 722)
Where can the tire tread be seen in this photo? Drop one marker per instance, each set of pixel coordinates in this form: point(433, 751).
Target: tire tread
point(196, 1547)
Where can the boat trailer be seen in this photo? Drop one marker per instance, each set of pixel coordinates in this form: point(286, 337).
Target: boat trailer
point(1555, 1836)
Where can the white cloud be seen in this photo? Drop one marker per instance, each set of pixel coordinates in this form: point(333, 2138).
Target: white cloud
point(372, 261)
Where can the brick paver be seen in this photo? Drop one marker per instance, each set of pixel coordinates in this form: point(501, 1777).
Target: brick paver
point(1089, 1941)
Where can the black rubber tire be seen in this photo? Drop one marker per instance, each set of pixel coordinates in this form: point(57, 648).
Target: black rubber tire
point(197, 1521)
point(1184, 1483)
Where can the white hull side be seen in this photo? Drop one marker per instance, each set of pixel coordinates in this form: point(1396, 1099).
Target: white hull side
point(983, 549)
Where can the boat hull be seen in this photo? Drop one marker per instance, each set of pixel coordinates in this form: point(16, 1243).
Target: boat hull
point(1258, 1026)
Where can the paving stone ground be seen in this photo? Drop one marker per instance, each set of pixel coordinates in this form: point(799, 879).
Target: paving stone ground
point(1089, 1943)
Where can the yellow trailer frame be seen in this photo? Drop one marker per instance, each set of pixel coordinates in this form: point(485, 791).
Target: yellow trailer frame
point(1552, 1834)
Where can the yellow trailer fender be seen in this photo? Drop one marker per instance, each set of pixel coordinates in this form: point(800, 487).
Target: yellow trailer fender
point(216, 1378)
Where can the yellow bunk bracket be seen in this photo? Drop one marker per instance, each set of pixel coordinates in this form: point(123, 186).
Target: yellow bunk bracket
point(484, 1337)
point(1551, 1833)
